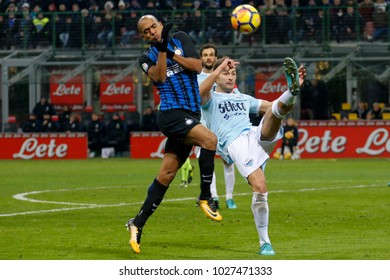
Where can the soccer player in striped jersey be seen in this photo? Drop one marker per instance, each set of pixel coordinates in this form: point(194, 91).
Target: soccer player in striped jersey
point(172, 63)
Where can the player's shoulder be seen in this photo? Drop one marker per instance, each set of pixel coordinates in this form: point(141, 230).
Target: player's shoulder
point(183, 37)
point(180, 35)
point(239, 95)
point(145, 53)
point(245, 96)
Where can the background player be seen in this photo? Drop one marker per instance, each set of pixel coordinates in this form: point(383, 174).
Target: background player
point(208, 56)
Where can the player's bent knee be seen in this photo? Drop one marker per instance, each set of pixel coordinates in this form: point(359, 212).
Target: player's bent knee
point(211, 142)
point(267, 137)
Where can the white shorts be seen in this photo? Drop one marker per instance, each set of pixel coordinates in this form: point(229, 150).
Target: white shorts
point(249, 153)
point(269, 146)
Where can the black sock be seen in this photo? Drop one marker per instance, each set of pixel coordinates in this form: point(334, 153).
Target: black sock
point(156, 194)
point(206, 166)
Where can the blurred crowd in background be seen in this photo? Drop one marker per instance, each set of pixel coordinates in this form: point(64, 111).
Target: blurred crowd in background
point(68, 24)
point(93, 23)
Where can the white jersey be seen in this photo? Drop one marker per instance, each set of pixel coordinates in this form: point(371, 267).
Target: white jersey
point(202, 76)
point(227, 115)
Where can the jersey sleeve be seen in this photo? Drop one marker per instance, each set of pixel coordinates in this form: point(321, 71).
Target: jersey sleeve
point(188, 45)
point(145, 62)
point(255, 105)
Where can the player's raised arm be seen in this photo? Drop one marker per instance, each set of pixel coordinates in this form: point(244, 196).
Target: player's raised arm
point(191, 60)
point(190, 63)
point(206, 86)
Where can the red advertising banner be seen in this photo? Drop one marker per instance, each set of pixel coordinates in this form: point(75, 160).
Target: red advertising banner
point(148, 145)
point(69, 93)
point(118, 93)
point(43, 146)
point(317, 139)
point(339, 139)
point(268, 89)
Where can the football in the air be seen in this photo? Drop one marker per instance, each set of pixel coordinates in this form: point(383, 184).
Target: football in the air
point(245, 19)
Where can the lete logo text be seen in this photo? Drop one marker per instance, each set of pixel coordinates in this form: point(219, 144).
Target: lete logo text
point(376, 143)
point(31, 149)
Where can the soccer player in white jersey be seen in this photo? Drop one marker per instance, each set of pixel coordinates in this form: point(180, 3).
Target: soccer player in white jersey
point(227, 115)
point(208, 56)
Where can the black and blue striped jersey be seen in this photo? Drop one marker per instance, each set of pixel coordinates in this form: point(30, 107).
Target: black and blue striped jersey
point(180, 90)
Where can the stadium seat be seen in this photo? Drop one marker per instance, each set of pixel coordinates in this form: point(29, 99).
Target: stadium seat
point(352, 116)
point(337, 116)
point(346, 106)
point(386, 116)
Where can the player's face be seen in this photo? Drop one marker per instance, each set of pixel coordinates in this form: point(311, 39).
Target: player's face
point(150, 29)
point(208, 58)
point(226, 80)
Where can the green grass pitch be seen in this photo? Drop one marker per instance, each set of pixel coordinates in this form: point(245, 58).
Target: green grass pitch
point(76, 210)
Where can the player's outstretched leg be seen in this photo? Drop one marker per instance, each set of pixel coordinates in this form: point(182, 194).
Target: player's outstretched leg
point(292, 75)
point(284, 104)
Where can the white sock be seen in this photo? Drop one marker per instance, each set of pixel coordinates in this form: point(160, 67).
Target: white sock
point(261, 214)
point(275, 110)
point(287, 98)
point(229, 180)
point(213, 186)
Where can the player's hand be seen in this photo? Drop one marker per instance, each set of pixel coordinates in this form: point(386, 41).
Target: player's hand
point(228, 64)
point(302, 74)
point(162, 46)
point(232, 63)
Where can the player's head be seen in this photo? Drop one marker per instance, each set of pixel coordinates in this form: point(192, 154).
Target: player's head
point(150, 28)
point(226, 79)
point(208, 55)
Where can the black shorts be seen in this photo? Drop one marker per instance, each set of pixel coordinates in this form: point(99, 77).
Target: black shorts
point(176, 124)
